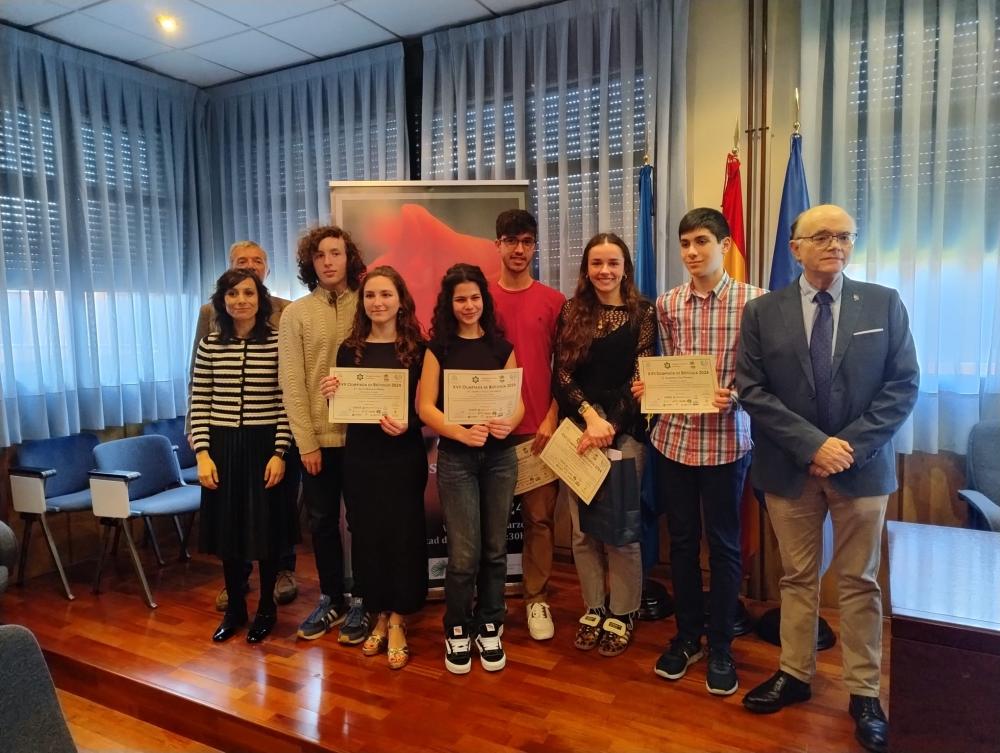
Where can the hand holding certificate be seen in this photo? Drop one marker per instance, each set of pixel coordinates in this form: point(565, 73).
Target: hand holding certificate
point(365, 395)
point(531, 470)
point(679, 384)
point(584, 473)
point(475, 397)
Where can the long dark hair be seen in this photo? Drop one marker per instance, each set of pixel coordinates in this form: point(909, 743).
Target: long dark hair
point(444, 325)
point(227, 329)
point(584, 309)
point(409, 336)
point(309, 244)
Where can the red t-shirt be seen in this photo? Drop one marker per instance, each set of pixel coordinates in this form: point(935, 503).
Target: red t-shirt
point(528, 318)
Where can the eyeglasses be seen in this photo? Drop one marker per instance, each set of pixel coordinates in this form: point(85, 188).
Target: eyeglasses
point(510, 243)
point(826, 239)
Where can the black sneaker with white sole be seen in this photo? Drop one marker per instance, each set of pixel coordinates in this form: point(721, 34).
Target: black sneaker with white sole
point(457, 650)
point(721, 677)
point(491, 654)
point(680, 655)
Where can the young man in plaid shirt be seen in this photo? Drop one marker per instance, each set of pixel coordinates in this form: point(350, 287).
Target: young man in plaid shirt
point(703, 458)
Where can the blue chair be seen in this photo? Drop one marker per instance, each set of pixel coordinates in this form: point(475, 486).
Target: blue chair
point(138, 477)
point(51, 477)
point(983, 477)
point(173, 429)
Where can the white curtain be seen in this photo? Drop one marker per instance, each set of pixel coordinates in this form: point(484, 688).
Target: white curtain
point(572, 97)
point(99, 240)
point(901, 109)
point(278, 139)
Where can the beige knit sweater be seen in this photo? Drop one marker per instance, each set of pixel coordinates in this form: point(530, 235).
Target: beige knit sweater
point(312, 329)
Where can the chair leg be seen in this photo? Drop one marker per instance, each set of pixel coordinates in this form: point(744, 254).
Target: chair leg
point(118, 535)
point(105, 532)
point(151, 538)
point(181, 539)
point(55, 556)
point(25, 540)
point(138, 568)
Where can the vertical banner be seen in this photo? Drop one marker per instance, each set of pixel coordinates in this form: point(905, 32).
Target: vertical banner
point(421, 228)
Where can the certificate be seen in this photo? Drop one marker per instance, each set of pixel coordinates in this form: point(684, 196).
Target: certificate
point(474, 397)
point(365, 395)
point(531, 471)
point(678, 384)
point(584, 473)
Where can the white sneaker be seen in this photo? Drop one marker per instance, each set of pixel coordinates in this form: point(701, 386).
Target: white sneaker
point(540, 621)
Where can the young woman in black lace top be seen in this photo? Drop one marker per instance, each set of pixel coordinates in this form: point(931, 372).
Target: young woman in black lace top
point(603, 330)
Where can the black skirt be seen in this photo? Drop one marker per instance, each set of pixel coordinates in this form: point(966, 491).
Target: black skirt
point(241, 519)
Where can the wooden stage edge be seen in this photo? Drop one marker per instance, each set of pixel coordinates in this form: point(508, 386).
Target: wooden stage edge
point(161, 667)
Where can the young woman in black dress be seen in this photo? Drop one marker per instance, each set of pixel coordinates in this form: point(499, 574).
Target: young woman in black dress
point(385, 468)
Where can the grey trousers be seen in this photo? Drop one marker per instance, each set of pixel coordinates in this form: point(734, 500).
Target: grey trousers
point(603, 568)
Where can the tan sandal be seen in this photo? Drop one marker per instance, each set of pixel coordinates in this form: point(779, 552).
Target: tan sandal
point(617, 635)
point(588, 635)
point(374, 643)
point(399, 657)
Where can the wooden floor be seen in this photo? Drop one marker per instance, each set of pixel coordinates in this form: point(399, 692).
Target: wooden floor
point(161, 667)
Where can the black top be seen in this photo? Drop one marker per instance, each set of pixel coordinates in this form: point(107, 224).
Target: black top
point(478, 354)
point(604, 377)
point(383, 356)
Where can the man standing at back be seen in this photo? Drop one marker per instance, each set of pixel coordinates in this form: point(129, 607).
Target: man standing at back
point(527, 311)
point(828, 373)
point(250, 255)
point(312, 329)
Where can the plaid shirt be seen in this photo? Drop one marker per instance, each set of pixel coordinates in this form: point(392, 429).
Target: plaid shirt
point(695, 324)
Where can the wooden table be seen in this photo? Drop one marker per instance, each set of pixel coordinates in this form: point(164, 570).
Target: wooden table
point(945, 662)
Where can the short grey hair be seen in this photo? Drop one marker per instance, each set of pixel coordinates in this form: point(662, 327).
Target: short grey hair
point(240, 245)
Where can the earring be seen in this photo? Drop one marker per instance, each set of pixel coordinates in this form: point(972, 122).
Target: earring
point(624, 276)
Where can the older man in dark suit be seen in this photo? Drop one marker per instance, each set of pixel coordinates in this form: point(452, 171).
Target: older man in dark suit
point(828, 372)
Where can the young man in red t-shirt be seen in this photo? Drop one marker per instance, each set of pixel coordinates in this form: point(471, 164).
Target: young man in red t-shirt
point(527, 311)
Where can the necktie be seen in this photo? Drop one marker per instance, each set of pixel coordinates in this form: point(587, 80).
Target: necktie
point(821, 355)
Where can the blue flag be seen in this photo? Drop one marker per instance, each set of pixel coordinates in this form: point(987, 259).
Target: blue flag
point(794, 201)
point(645, 281)
point(645, 256)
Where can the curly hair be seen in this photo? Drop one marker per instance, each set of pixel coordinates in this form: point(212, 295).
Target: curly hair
point(444, 325)
point(227, 328)
point(584, 309)
point(409, 335)
point(309, 245)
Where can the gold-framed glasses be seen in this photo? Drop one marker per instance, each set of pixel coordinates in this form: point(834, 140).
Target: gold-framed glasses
point(827, 239)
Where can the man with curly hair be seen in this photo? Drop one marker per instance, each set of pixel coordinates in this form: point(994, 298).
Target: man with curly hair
point(312, 329)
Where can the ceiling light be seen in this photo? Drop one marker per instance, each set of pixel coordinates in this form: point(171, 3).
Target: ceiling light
point(167, 23)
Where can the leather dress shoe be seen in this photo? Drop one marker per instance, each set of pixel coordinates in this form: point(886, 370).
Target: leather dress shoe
point(261, 627)
point(774, 694)
point(871, 728)
point(230, 626)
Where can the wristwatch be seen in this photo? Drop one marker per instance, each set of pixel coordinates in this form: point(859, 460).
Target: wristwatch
point(584, 407)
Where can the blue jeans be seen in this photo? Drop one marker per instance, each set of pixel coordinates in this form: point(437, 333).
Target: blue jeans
point(690, 491)
point(476, 489)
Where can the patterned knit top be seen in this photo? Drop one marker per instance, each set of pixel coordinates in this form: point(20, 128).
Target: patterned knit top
point(235, 384)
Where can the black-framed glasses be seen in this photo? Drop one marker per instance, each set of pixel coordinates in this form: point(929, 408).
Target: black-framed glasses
point(826, 239)
point(509, 242)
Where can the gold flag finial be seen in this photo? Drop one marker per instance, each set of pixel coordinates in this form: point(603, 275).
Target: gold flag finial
point(798, 111)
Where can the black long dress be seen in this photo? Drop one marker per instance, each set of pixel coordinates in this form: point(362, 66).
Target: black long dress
point(384, 480)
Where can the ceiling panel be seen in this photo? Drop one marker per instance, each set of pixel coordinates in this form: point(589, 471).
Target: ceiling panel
point(250, 52)
point(408, 18)
point(196, 23)
point(329, 31)
point(257, 13)
point(507, 6)
point(30, 12)
point(87, 32)
point(191, 68)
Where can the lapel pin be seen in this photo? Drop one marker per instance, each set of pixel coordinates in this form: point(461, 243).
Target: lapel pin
point(856, 297)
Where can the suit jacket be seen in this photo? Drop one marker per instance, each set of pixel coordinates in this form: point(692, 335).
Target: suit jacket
point(874, 388)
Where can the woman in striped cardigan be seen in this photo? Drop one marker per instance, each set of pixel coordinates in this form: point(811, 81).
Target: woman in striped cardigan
point(240, 434)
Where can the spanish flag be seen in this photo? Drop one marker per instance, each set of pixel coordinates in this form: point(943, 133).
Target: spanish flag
point(732, 210)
